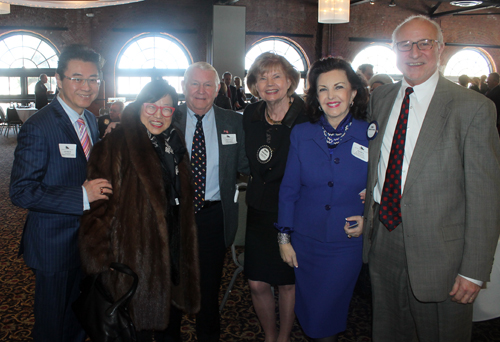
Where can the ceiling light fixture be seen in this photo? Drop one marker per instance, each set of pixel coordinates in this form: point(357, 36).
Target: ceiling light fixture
point(466, 3)
point(4, 8)
point(333, 11)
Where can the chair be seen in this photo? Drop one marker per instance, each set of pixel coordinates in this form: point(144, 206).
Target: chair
point(238, 241)
point(3, 121)
point(13, 120)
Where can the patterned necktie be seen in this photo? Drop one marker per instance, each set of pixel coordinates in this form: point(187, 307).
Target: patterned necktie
point(199, 164)
point(84, 137)
point(390, 204)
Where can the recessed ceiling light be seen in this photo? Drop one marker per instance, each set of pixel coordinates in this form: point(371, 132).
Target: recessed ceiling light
point(466, 3)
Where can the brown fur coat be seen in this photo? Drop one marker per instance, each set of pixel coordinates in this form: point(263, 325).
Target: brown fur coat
point(131, 227)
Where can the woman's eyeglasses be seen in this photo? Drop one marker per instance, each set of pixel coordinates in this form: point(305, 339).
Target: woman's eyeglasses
point(151, 109)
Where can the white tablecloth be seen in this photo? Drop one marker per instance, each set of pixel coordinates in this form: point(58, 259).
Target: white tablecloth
point(25, 113)
point(487, 303)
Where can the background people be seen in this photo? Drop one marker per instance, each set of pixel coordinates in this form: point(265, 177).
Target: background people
point(115, 112)
point(41, 92)
point(319, 199)
point(366, 70)
point(268, 124)
point(432, 219)
point(221, 100)
point(378, 80)
point(231, 90)
point(215, 142)
point(240, 94)
point(148, 224)
point(49, 179)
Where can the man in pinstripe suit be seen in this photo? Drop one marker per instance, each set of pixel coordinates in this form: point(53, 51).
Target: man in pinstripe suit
point(49, 178)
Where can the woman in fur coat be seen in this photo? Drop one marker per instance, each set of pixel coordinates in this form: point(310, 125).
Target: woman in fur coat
point(148, 222)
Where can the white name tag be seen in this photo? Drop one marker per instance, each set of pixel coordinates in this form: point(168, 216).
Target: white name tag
point(360, 152)
point(67, 150)
point(228, 139)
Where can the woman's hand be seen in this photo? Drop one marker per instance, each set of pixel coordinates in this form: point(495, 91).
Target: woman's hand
point(356, 229)
point(362, 195)
point(288, 255)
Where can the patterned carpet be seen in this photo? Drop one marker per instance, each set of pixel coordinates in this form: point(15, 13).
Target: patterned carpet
point(239, 321)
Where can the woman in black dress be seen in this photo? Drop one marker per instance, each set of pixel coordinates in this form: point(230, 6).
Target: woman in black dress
point(268, 124)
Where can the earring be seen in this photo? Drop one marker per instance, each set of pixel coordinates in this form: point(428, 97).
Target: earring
point(320, 109)
point(352, 103)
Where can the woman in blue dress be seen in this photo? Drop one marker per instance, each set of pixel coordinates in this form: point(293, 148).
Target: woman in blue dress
point(320, 199)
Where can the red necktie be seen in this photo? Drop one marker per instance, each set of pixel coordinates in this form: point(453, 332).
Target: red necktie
point(390, 204)
point(84, 137)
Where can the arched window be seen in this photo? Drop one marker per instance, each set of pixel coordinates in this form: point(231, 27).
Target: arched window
point(23, 57)
point(284, 47)
point(148, 56)
point(381, 57)
point(472, 62)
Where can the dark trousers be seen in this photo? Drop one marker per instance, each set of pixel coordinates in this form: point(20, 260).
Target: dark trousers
point(54, 317)
point(212, 250)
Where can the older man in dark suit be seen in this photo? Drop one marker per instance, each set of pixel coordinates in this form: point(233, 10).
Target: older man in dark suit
point(215, 141)
point(432, 218)
point(49, 178)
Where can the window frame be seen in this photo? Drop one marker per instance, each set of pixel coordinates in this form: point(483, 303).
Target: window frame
point(24, 98)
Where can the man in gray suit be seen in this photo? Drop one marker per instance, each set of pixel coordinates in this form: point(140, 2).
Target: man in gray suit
point(432, 224)
point(216, 209)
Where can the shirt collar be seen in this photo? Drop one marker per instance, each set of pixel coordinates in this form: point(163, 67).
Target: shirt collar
point(424, 90)
point(73, 115)
point(208, 115)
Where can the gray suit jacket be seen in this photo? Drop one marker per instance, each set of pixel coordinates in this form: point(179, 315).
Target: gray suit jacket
point(451, 200)
point(232, 159)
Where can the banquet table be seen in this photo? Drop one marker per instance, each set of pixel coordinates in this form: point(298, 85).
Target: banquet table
point(25, 113)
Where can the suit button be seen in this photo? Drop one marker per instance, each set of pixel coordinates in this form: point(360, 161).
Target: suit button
point(336, 160)
point(328, 207)
point(330, 184)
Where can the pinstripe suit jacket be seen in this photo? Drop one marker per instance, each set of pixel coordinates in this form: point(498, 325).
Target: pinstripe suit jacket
point(450, 203)
point(232, 159)
point(50, 187)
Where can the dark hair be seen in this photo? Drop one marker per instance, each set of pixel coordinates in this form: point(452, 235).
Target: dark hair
point(269, 61)
point(81, 53)
point(152, 92)
point(363, 67)
point(358, 110)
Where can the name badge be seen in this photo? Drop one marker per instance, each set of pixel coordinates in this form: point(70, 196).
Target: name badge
point(372, 130)
point(360, 152)
point(228, 139)
point(264, 154)
point(67, 150)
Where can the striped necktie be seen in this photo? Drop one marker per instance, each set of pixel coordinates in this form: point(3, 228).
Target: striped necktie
point(84, 137)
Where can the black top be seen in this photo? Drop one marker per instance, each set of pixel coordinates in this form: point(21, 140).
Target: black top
point(266, 174)
point(40, 95)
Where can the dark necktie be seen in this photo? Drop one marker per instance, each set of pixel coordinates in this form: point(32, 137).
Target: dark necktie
point(199, 164)
point(390, 204)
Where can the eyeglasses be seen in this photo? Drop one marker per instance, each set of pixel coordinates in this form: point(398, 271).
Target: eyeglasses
point(151, 109)
point(423, 44)
point(81, 81)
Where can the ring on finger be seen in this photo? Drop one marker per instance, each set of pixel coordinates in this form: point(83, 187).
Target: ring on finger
point(102, 191)
point(349, 236)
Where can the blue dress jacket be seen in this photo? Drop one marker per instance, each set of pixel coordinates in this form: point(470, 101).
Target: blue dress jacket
point(319, 189)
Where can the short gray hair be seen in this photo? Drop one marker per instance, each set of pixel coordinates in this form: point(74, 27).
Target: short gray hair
point(202, 66)
point(418, 17)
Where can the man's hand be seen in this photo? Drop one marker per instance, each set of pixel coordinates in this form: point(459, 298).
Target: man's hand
point(98, 189)
point(110, 127)
point(464, 291)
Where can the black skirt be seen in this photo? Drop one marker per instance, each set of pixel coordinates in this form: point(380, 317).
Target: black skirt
point(262, 255)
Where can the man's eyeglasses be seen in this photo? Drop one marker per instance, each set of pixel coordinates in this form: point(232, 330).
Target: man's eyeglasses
point(151, 109)
point(81, 81)
point(423, 44)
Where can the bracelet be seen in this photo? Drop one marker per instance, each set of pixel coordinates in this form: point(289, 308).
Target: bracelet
point(283, 238)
